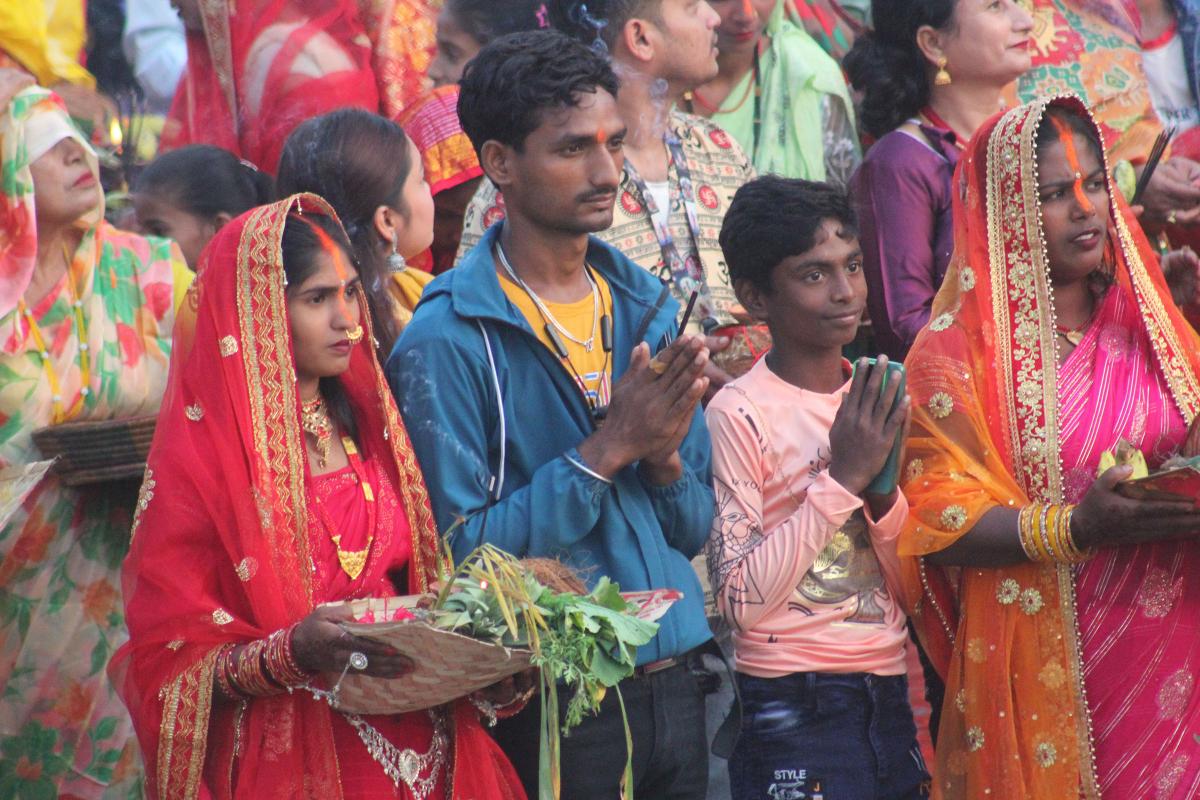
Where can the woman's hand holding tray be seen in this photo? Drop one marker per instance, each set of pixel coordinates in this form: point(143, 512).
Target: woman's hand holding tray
point(448, 665)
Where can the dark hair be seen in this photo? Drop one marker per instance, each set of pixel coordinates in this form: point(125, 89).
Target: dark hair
point(886, 65)
point(513, 80)
point(357, 161)
point(773, 218)
point(589, 20)
point(299, 245)
point(484, 20)
point(204, 180)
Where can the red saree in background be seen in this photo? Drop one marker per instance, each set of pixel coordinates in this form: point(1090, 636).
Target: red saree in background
point(1061, 682)
point(261, 67)
point(228, 547)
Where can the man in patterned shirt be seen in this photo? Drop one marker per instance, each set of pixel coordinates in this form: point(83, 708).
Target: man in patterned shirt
point(681, 171)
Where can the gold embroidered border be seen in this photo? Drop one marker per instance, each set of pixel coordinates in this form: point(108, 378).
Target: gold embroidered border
point(1029, 360)
point(214, 15)
point(1089, 785)
point(183, 735)
point(1020, 289)
point(1000, 312)
point(270, 381)
point(1163, 337)
point(933, 603)
point(426, 544)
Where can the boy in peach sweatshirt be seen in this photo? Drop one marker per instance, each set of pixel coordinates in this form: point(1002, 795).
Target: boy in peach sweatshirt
point(802, 559)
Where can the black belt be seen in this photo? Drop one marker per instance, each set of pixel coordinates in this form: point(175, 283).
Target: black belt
point(662, 665)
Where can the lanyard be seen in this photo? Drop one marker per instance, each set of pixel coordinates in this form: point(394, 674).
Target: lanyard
point(686, 274)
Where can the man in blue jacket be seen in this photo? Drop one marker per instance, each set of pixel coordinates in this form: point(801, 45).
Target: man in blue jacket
point(553, 410)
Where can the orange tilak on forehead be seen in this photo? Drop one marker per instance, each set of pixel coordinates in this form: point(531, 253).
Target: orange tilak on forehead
point(747, 8)
point(344, 272)
point(601, 136)
point(1067, 137)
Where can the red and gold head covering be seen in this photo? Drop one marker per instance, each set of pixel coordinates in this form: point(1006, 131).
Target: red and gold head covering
point(432, 124)
point(983, 377)
point(220, 550)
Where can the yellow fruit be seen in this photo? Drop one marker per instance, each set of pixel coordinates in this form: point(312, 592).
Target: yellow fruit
point(1125, 455)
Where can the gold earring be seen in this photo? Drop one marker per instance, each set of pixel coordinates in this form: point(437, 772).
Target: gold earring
point(355, 334)
point(942, 78)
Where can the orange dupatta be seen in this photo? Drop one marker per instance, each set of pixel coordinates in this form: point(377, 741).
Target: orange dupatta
point(983, 380)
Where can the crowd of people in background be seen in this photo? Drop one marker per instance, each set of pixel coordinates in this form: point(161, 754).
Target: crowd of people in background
point(823, 313)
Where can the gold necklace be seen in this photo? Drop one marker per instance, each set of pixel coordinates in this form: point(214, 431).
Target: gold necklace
point(1075, 335)
point(352, 561)
point(314, 419)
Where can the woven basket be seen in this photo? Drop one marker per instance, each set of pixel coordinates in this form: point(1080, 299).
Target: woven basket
point(448, 665)
point(97, 452)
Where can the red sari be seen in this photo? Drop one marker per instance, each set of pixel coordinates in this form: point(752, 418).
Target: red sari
point(261, 67)
point(231, 541)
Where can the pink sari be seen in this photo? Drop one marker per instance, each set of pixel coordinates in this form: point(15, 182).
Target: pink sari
point(1137, 609)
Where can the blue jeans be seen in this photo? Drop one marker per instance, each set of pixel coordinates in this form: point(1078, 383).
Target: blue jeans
point(827, 736)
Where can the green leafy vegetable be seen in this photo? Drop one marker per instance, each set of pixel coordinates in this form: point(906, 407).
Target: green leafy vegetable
point(589, 642)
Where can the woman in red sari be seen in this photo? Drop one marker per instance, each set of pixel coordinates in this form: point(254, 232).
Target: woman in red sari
point(1064, 616)
point(281, 478)
point(258, 68)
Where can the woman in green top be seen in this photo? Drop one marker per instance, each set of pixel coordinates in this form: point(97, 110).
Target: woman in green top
point(779, 95)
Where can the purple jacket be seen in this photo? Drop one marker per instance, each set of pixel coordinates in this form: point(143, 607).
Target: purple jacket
point(902, 195)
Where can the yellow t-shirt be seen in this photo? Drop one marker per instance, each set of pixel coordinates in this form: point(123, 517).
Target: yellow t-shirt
point(592, 370)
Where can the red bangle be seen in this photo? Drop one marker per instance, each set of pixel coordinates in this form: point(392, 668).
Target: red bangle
point(221, 668)
point(516, 705)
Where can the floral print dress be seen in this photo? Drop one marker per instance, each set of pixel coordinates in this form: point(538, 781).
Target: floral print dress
point(63, 731)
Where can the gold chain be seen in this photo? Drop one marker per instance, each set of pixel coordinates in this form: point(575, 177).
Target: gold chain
point(314, 419)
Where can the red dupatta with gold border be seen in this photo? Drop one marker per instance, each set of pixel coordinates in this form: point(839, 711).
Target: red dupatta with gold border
point(220, 549)
point(983, 377)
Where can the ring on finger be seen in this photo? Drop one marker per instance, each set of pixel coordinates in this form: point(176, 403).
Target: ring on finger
point(1171, 217)
point(358, 661)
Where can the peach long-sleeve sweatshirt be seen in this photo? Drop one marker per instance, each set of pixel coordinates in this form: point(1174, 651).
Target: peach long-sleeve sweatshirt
point(807, 580)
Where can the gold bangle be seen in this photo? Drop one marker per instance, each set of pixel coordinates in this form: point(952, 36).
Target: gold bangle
point(1023, 531)
point(1044, 534)
point(1051, 532)
point(1027, 532)
point(1070, 548)
point(1044, 531)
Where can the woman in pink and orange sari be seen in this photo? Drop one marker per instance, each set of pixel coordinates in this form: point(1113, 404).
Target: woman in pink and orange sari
point(1062, 614)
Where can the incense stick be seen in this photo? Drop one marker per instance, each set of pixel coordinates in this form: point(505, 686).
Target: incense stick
point(687, 312)
point(1156, 154)
point(656, 363)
